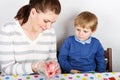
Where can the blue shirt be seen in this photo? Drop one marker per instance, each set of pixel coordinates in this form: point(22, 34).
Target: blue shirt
point(83, 42)
point(86, 57)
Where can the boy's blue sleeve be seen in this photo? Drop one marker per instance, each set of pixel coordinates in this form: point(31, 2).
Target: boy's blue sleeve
point(100, 59)
point(63, 56)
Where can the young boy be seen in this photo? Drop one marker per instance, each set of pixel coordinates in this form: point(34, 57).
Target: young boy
point(82, 52)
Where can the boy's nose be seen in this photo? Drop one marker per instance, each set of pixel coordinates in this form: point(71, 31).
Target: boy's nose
point(80, 33)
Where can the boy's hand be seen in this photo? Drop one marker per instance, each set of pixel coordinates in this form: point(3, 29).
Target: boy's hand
point(75, 71)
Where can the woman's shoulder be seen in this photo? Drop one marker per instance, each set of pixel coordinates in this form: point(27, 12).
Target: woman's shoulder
point(8, 26)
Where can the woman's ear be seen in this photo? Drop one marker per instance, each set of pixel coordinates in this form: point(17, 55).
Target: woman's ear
point(33, 12)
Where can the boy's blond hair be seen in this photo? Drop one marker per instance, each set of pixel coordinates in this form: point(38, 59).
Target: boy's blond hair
point(86, 19)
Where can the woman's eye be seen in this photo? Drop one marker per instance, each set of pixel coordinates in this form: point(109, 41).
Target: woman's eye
point(46, 21)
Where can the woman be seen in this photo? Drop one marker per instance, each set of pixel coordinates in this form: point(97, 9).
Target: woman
point(28, 41)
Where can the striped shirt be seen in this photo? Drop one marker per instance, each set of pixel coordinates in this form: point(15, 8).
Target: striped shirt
point(17, 51)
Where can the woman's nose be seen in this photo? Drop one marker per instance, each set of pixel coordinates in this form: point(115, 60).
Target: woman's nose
point(48, 26)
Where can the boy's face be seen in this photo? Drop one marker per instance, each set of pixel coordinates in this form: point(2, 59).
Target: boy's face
point(83, 33)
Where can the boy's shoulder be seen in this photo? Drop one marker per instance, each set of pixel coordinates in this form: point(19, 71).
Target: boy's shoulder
point(94, 39)
point(70, 37)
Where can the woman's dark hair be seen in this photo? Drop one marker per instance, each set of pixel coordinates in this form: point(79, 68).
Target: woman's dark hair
point(39, 5)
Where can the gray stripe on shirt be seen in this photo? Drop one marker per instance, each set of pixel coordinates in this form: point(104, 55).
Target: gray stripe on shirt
point(26, 52)
point(10, 33)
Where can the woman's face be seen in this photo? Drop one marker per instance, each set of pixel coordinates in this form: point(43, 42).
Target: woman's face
point(42, 21)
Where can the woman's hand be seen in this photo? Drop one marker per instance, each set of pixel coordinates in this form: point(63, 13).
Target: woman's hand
point(38, 66)
point(52, 69)
point(49, 68)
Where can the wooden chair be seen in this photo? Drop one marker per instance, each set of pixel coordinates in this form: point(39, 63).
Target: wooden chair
point(108, 59)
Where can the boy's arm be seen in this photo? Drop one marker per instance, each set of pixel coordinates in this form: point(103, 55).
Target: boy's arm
point(63, 56)
point(100, 60)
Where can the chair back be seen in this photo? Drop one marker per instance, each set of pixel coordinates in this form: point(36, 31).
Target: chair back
point(108, 59)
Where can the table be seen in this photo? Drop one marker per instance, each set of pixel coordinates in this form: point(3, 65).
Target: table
point(91, 76)
point(82, 76)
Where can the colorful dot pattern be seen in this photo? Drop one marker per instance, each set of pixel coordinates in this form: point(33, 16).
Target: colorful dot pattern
point(85, 76)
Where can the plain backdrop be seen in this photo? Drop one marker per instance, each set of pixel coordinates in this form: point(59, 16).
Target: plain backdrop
point(107, 11)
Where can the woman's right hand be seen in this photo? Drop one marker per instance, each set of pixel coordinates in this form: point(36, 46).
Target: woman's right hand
point(38, 66)
point(50, 68)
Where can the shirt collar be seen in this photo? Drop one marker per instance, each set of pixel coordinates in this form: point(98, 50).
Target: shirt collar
point(83, 42)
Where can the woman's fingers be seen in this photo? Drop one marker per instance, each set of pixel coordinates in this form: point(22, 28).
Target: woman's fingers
point(50, 68)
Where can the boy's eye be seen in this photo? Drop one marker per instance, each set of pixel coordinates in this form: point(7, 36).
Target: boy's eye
point(78, 29)
point(85, 31)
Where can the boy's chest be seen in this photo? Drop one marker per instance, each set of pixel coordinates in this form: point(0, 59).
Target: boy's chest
point(82, 51)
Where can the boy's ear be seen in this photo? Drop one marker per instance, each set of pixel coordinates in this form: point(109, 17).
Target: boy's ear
point(93, 31)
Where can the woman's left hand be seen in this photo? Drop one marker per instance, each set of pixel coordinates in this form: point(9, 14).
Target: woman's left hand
point(52, 69)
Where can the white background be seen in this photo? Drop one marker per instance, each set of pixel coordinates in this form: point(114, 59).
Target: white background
point(107, 11)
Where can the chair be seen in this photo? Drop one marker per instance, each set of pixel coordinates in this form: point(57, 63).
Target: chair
point(108, 59)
